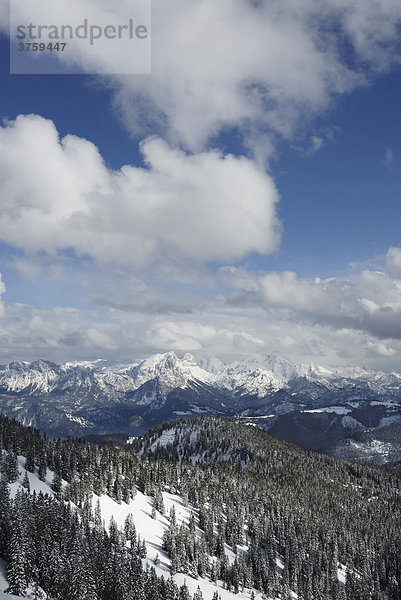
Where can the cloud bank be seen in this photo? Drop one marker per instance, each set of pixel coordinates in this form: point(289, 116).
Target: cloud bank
point(60, 334)
point(369, 301)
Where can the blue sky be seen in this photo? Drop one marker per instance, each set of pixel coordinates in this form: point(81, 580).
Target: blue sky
point(320, 156)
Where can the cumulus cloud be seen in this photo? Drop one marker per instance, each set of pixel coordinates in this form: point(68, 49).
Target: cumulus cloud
point(62, 333)
point(90, 51)
point(259, 66)
point(393, 262)
point(380, 349)
point(263, 67)
point(58, 194)
point(369, 301)
point(58, 332)
point(194, 336)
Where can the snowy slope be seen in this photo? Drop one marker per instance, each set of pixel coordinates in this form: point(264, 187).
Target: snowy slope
point(150, 530)
point(4, 596)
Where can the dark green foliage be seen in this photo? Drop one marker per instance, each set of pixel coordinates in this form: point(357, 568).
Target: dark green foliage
point(10, 466)
point(312, 511)
point(291, 516)
point(30, 460)
point(48, 545)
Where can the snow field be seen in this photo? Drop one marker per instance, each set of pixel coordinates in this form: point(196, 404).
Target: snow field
point(152, 531)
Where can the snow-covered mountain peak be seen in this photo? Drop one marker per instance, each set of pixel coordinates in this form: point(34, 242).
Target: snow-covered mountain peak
point(353, 372)
point(43, 366)
point(260, 374)
point(156, 361)
point(282, 368)
point(17, 376)
point(91, 364)
point(212, 364)
point(171, 371)
point(179, 385)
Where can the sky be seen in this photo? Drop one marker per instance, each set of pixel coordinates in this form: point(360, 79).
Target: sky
point(243, 198)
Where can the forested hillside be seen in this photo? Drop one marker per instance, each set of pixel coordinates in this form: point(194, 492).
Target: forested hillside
point(263, 517)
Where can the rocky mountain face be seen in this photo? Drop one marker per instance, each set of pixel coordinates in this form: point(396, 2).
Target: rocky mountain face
point(352, 413)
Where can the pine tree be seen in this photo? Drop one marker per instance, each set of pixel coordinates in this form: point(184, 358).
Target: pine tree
point(25, 482)
point(57, 484)
point(30, 460)
point(114, 534)
point(198, 594)
point(81, 582)
point(97, 518)
point(42, 466)
point(129, 528)
point(10, 467)
point(184, 592)
point(143, 551)
point(18, 557)
point(5, 515)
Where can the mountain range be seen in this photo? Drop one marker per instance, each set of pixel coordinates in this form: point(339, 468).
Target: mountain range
point(347, 412)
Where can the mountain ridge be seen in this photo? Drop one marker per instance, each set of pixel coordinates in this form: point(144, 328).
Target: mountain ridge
point(276, 370)
point(298, 402)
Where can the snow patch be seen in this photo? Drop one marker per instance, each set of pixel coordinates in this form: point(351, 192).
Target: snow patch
point(350, 423)
point(339, 410)
point(80, 420)
point(389, 420)
point(152, 531)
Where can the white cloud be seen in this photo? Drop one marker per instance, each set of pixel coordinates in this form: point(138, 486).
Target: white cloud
point(389, 158)
point(255, 65)
point(369, 301)
point(90, 51)
point(380, 349)
point(196, 336)
point(265, 67)
point(30, 332)
point(58, 194)
point(393, 262)
point(286, 341)
point(62, 334)
point(317, 141)
point(2, 291)
point(316, 144)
